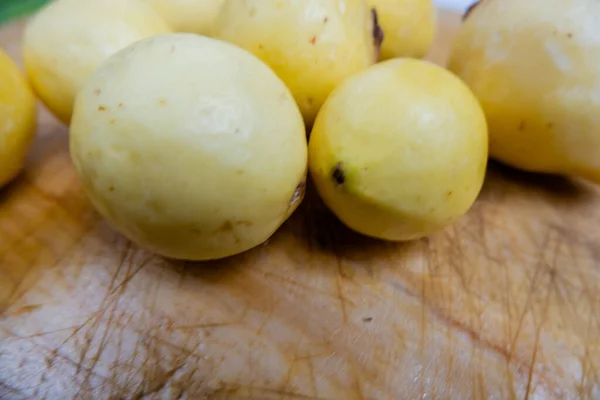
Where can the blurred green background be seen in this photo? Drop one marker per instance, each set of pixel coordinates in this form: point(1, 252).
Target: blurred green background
point(10, 9)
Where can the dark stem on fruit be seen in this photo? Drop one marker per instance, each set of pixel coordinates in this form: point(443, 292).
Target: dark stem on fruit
point(298, 193)
point(470, 9)
point(378, 34)
point(338, 175)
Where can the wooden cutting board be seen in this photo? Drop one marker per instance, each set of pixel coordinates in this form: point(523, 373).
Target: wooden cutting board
point(503, 305)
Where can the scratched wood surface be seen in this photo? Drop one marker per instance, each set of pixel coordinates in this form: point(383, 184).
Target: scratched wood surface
point(504, 304)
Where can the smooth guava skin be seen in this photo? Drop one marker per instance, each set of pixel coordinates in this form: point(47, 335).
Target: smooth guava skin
point(190, 146)
point(312, 45)
point(399, 151)
point(192, 16)
point(67, 40)
point(17, 119)
point(535, 67)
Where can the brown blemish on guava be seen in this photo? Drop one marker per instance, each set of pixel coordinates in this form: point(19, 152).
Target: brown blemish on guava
point(97, 92)
point(309, 101)
point(377, 33)
point(522, 125)
point(313, 40)
point(111, 188)
point(120, 105)
point(298, 193)
point(226, 227)
point(101, 108)
point(550, 125)
point(229, 227)
point(134, 157)
point(325, 20)
point(450, 193)
point(569, 35)
point(470, 9)
point(338, 175)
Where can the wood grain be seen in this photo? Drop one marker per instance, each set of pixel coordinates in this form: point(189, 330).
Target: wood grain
point(505, 304)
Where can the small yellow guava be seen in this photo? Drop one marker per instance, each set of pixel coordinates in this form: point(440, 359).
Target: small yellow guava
point(399, 150)
point(67, 40)
point(17, 119)
point(312, 45)
point(535, 67)
point(409, 27)
point(190, 146)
